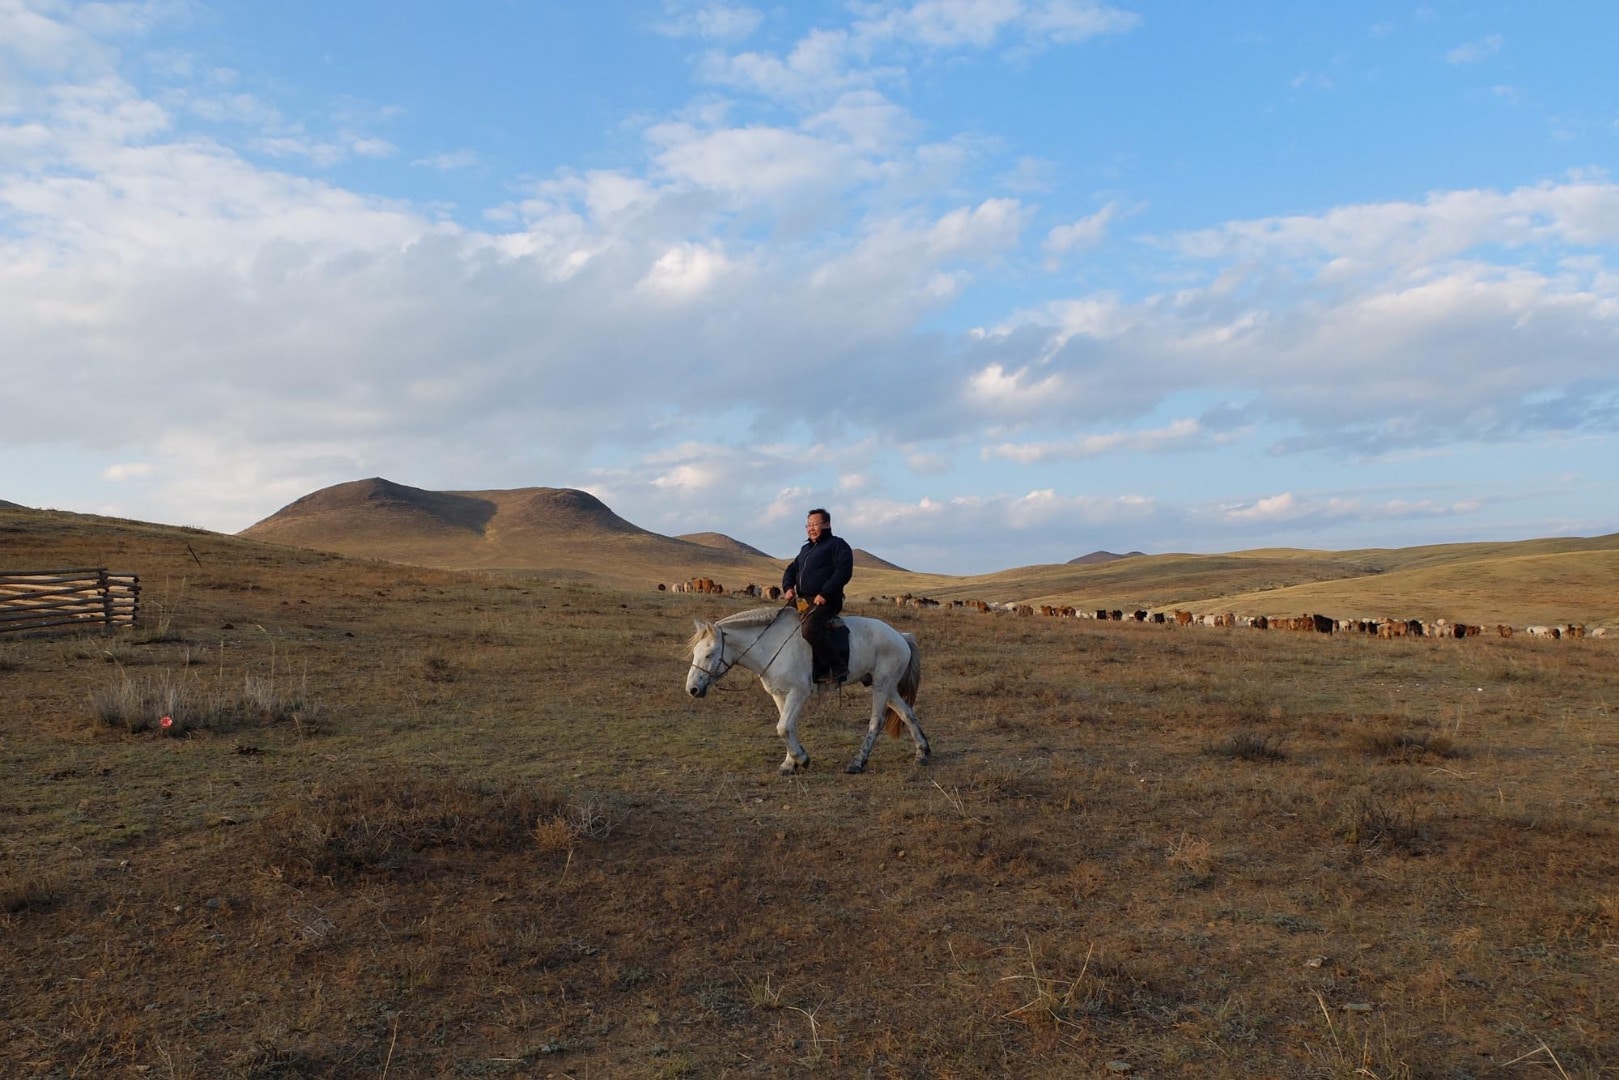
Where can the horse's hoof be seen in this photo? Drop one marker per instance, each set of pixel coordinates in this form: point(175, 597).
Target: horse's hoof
point(855, 767)
point(922, 757)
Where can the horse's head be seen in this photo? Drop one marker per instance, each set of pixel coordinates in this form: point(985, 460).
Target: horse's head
point(707, 658)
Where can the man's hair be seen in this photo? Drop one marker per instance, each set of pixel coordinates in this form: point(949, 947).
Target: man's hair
point(822, 511)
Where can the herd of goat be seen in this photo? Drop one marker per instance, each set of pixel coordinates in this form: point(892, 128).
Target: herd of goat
point(1313, 623)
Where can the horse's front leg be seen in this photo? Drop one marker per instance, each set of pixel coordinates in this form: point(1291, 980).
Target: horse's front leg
point(789, 705)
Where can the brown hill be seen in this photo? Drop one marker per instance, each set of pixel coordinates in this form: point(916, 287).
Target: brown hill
point(1098, 557)
point(569, 534)
point(4, 505)
point(1551, 580)
point(558, 531)
point(721, 542)
point(865, 560)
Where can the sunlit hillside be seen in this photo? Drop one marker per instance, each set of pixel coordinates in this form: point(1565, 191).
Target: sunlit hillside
point(567, 534)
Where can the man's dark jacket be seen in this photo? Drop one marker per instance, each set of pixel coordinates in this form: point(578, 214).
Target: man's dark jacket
point(822, 568)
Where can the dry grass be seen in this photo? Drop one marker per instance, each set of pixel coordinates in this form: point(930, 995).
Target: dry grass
point(512, 846)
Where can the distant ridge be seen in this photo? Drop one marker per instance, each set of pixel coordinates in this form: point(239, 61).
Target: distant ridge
point(862, 558)
point(868, 561)
point(1548, 580)
point(722, 542)
point(4, 505)
point(1097, 557)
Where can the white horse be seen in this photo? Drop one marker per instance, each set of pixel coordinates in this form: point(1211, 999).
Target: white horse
point(767, 642)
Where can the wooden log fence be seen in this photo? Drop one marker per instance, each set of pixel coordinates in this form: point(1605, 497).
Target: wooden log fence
point(49, 599)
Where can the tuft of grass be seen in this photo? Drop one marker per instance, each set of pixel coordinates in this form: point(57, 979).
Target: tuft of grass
point(762, 995)
point(138, 704)
point(434, 666)
point(562, 830)
point(1194, 857)
point(174, 704)
point(1248, 746)
point(29, 893)
point(1394, 744)
point(1055, 1003)
point(1374, 823)
point(1350, 1052)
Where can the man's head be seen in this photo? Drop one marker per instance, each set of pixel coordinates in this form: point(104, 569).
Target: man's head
point(817, 524)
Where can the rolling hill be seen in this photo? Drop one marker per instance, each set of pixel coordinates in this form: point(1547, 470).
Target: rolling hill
point(1097, 557)
point(559, 531)
point(721, 542)
point(569, 534)
point(1574, 579)
point(566, 532)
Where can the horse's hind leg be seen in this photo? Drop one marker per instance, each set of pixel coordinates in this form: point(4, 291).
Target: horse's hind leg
point(858, 765)
point(923, 750)
point(879, 707)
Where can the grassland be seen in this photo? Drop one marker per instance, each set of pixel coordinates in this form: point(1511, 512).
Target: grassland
point(413, 822)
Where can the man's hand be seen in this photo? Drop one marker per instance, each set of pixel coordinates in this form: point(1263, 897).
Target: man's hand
point(819, 599)
point(789, 594)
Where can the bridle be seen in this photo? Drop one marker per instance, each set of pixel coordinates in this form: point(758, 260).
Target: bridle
point(714, 676)
point(719, 640)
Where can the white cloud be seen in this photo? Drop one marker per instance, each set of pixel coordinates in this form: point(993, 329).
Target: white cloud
point(131, 470)
point(980, 24)
point(684, 272)
point(819, 66)
point(827, 62)
point(754, 163)
point(1069, 22)
point(1473, 51)
point(1080, 235)
point(1181, 434)
point(1271, 508)
point(1294, 510)
point(990, 226)
point(945, 24)
point(1011, 392)
point(712, 21)
point(450, 161)
point(372, 147)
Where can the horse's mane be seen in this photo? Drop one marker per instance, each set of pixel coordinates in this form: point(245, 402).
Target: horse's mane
point(759, 616)
point(742, 620)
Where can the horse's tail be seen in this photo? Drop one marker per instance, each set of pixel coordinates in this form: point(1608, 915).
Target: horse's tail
point(909, 684)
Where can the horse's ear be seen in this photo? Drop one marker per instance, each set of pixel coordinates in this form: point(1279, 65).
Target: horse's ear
point(702, 627)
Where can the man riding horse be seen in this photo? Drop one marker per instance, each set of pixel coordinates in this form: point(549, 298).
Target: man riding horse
point(819, 574)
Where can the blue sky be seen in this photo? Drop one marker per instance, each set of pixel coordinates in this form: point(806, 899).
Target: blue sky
point(1000, 282)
